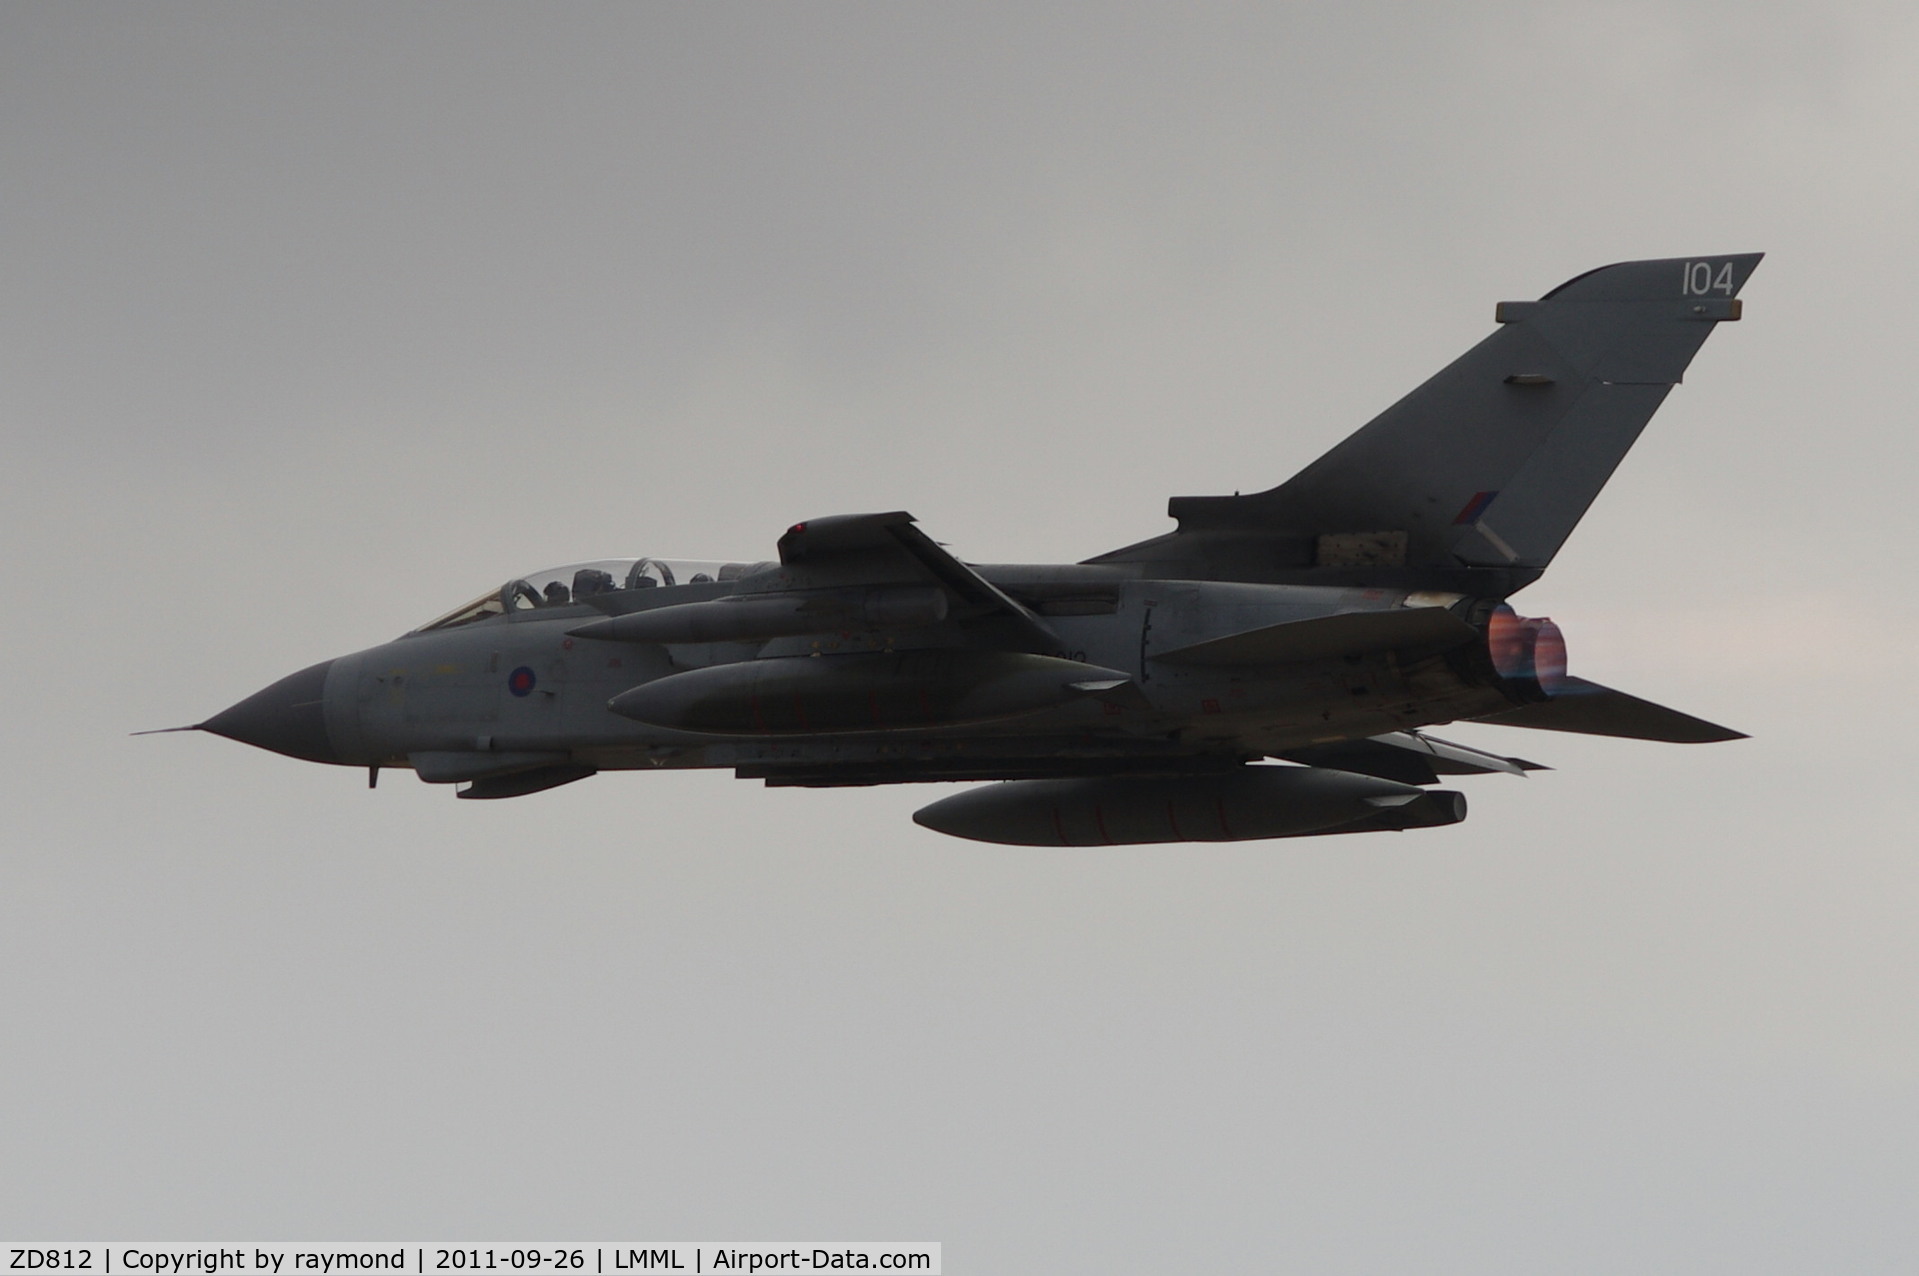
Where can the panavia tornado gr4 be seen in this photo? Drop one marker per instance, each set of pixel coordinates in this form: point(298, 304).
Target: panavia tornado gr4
point(1266, 670)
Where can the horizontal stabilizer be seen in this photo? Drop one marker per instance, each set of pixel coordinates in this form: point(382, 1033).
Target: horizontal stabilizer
point(1326, 637)
point(1587, 708)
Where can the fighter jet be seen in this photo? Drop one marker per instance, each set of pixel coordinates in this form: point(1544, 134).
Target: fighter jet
point(1266, 670)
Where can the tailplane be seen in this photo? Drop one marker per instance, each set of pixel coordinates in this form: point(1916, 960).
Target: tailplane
point(1587, 708)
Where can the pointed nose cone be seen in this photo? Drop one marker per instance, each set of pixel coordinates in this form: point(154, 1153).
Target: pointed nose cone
point(287, 717)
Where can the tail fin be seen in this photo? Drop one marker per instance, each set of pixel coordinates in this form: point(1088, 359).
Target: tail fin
point(1493, 461)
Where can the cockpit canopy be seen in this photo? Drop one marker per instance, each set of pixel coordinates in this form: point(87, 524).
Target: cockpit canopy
point(577, 582)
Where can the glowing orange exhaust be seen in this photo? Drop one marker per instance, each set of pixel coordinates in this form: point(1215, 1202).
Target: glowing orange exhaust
point(1527, 651)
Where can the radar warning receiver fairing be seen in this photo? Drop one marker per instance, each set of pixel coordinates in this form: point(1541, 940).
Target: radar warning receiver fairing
point(1266, 670)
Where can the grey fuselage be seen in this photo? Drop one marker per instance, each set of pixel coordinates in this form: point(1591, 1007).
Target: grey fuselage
point(515, 691)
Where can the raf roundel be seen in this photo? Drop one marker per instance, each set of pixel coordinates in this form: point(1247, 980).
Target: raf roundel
point(520, 681)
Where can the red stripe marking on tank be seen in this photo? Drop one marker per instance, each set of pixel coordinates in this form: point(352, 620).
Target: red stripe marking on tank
point(759, 719)
point(1172, 820)
point(926, 706)
point(1059, 828)
point(1219, 807)
point(1099, 822)
point(799, 711)
point(873, 707)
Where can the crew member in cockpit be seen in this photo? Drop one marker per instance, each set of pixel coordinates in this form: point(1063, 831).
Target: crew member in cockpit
point(591, 580)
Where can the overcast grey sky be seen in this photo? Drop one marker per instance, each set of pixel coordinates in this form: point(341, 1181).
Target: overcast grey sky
point(318, 319)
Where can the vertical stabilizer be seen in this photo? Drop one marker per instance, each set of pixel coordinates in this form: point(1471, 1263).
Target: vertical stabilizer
point(1493, 461)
